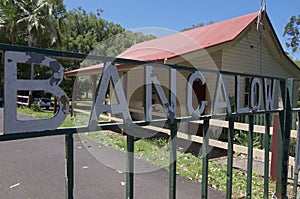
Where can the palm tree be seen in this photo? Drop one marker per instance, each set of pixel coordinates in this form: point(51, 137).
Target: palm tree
point(31, 19)
point(9, 14)
point(35, 16)
point(42, 27)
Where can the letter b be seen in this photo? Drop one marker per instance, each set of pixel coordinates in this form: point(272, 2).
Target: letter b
point(13, 84)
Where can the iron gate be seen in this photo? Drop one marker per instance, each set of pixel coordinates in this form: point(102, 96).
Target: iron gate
point(285, 125)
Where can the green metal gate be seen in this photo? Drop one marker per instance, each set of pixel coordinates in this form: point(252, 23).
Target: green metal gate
point(285, 125)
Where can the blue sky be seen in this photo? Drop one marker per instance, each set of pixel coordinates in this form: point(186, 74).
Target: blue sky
point(176, 15)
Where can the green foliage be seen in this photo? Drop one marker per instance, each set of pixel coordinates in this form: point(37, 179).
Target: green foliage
point(86, 30)
point(43, 23)
point(47, 24)
point(292, 32)
point(118, 43)
point(117, 142)
point(42, 114)
point(297, 61)
point(9, 14)
point(30, 22)
point(36, 107)
point(241, 138)
point(157, 152)
point(201, 24)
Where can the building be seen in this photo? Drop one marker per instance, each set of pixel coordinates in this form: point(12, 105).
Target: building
point(246, 44)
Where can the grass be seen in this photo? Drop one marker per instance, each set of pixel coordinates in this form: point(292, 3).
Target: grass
point(43, 114)
point(157, 152)
point(188, 165)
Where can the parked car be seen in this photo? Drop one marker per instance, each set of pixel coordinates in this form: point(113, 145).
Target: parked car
point(43, 102)
point(1, 101)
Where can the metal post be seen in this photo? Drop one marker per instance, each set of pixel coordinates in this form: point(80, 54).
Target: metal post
point(74, 96)
point(297, 158)
point(30, 98)
point(267, 149)
point(173, 157)
point(279, 164)
point(274, 147)
point(130, 167)
point(229, 159)
point(69, 180)
point(55, 105)
point(205, 159)
point(287, 135)
point(250, 157)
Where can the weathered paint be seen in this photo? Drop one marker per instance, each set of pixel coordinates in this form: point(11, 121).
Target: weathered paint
point(169, 107)
point(110, 73)
point(13, 84)
point(281, 188)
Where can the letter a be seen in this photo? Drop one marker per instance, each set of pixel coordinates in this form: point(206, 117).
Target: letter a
point(110, 72)
point(221, 92)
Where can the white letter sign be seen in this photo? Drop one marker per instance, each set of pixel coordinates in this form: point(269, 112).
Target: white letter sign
point(201, 107)
point(169, 108)
point(269, 93)
point(240, 109)
point(13, 84)
point(221, 93)
point(110, 72)
point(256, 87)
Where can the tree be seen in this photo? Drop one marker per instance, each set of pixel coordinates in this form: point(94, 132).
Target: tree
point(89, 33)
point(201, 24)
point(118, 43)
point(9, 15)
point(297, 61)
point(86, 30)
point(46, 23)
point(36, 18)
point(31, 22)
point(292, 32)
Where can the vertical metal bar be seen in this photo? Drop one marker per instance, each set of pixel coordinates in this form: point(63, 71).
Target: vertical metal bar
point(230, 139)
point(279, 164)
point(173, 126)
point(296, 170)
point(173, 157)
point(287, 135)
point(130, 167)
point(205, 159)
point(230, 159)
point(250, 157)
point(69, 179)
point(267, 149)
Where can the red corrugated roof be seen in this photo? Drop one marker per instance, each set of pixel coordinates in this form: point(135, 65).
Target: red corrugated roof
point(182, 42)
point(189, 41)
point(86, 70)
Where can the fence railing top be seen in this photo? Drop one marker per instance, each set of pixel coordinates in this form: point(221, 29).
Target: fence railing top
point(117, 60)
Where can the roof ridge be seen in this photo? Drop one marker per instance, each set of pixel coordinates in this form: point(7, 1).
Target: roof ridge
point(189, 40)
point(226, 20)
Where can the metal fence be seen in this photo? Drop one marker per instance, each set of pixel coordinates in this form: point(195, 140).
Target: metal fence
point(285, 126)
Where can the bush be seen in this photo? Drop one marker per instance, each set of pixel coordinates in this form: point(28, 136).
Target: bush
point(35, 107)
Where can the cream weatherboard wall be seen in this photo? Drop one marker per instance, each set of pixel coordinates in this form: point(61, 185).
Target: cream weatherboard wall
point(254, 55)
point(250, 53)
